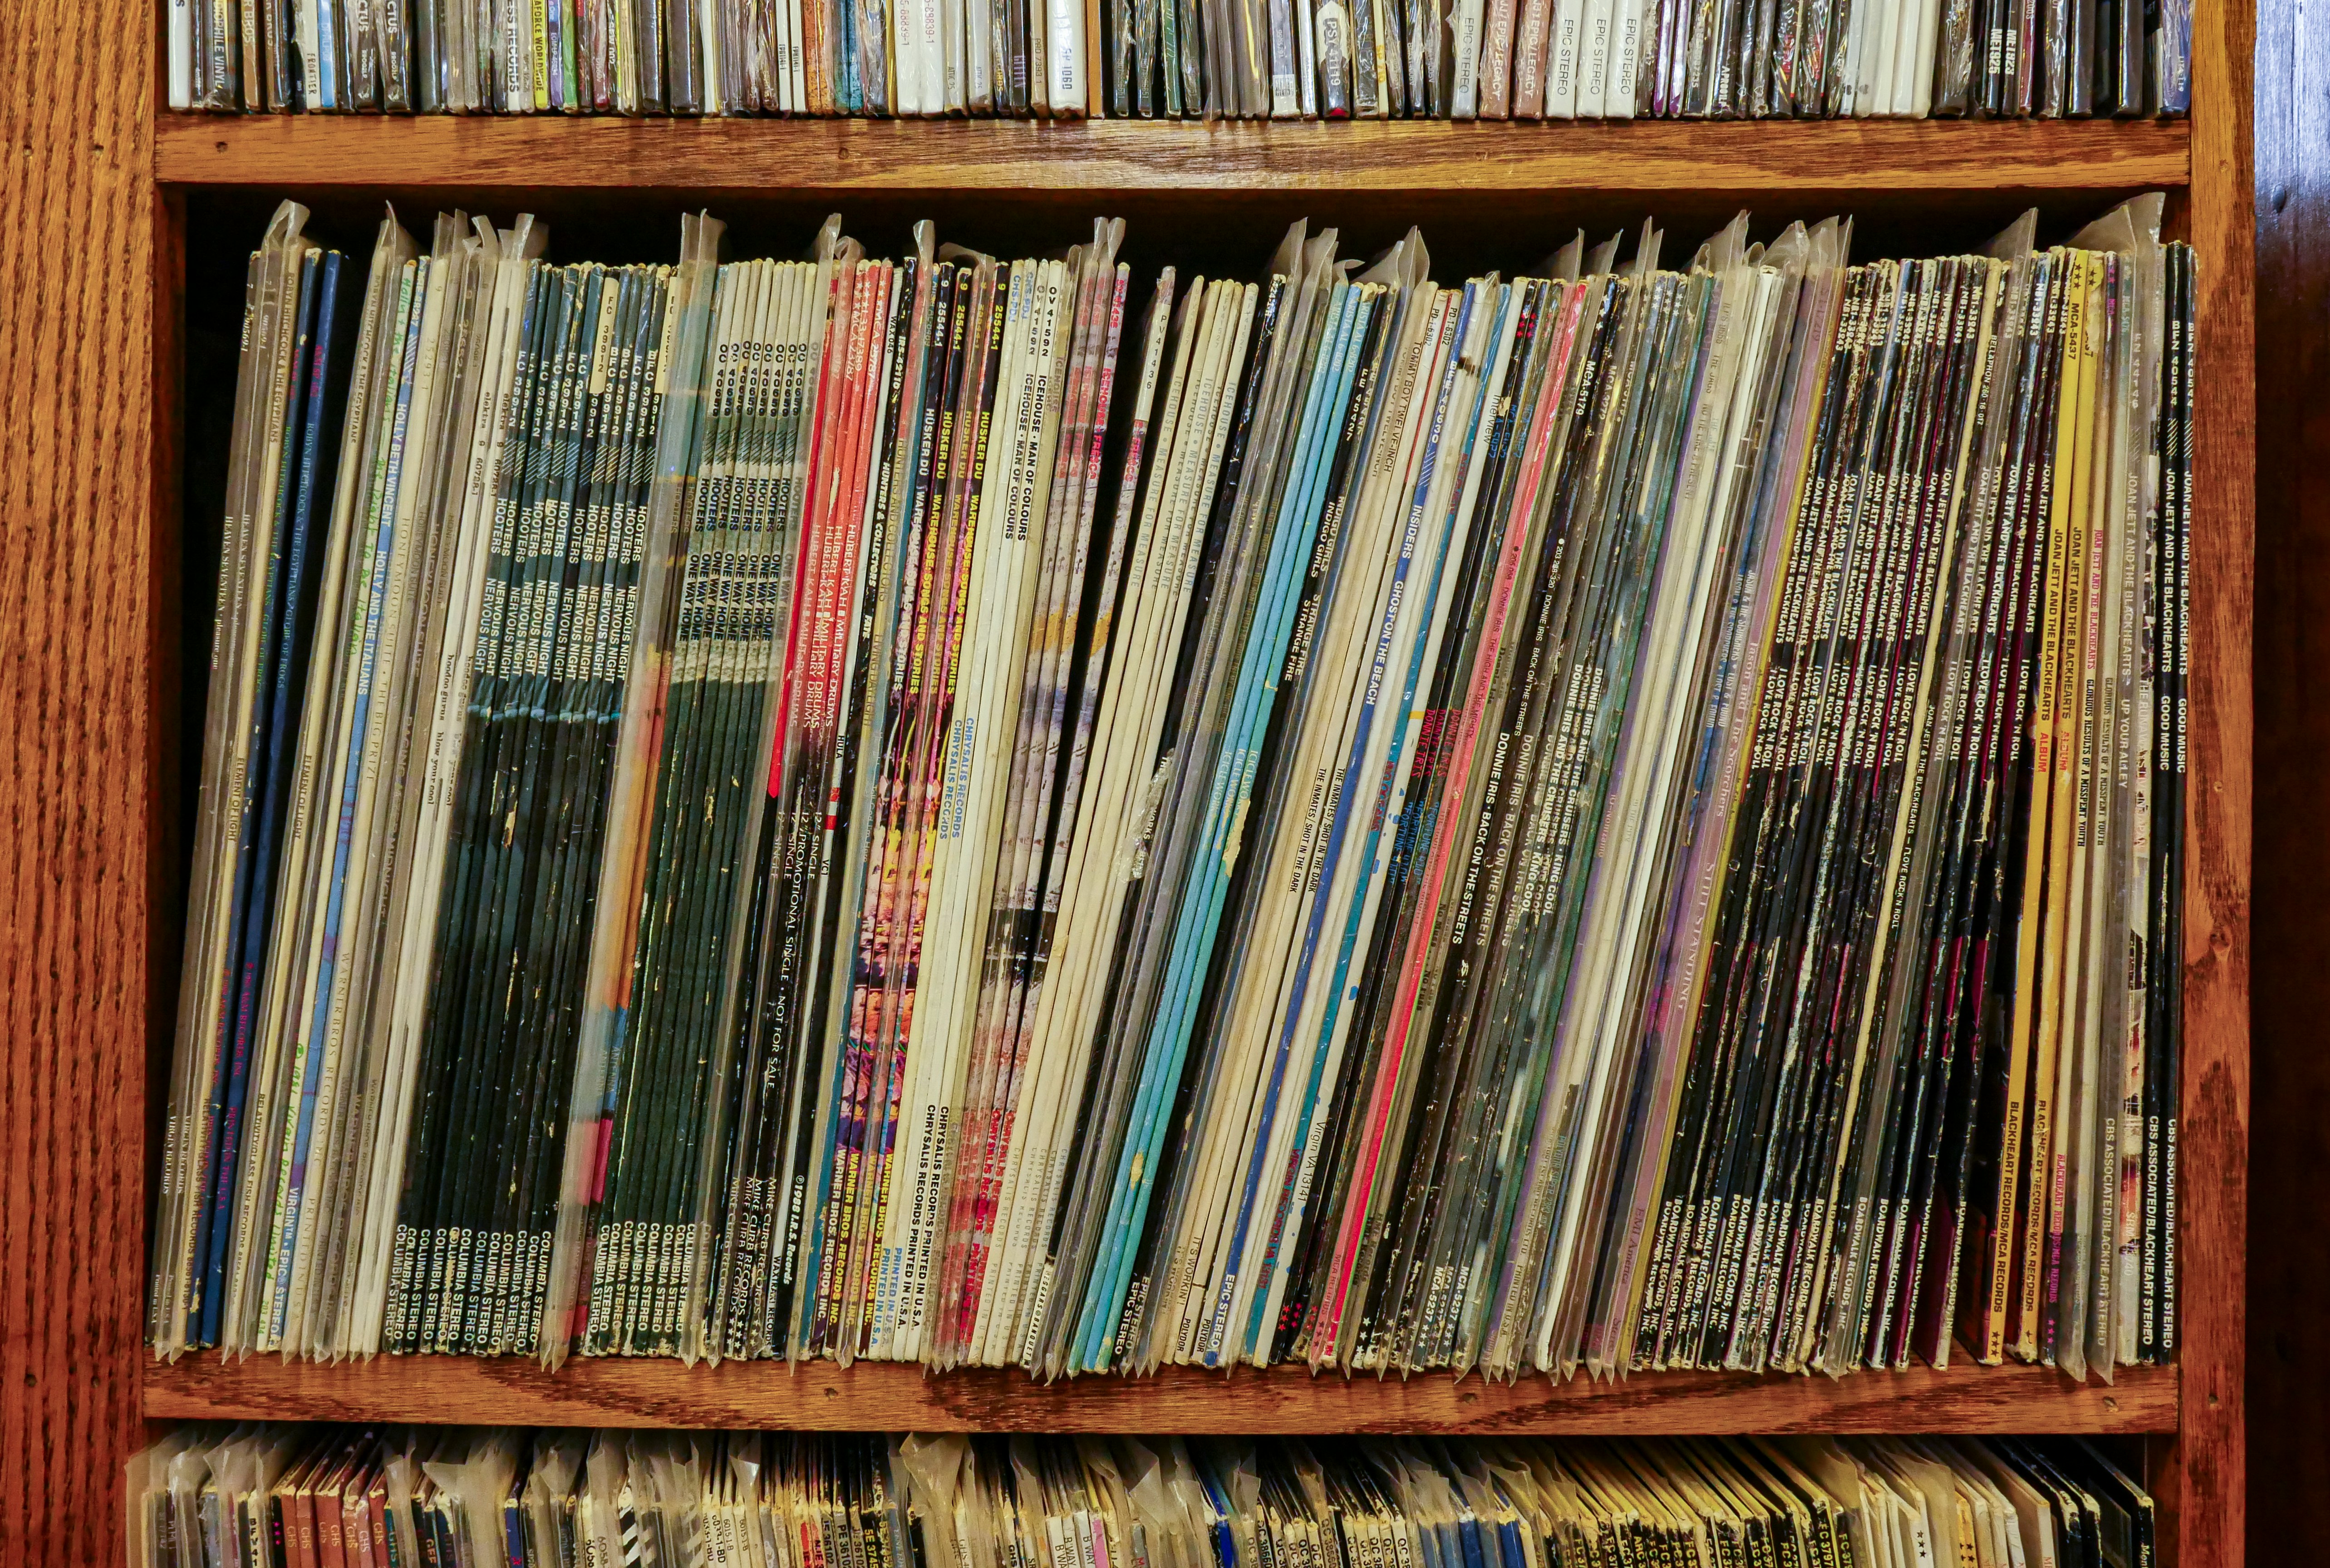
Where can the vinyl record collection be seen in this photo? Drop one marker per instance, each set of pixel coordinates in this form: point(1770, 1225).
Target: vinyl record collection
point(284, 1497)
point(959, 810)
point(1188, 59)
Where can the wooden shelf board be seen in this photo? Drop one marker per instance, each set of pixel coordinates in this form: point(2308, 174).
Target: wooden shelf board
point(557, 153)
point(885, 1397)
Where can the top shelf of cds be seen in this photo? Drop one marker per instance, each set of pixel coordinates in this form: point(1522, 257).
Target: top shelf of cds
point(1192, 60)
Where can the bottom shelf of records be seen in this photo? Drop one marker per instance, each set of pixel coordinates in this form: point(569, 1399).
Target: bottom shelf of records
point(986, 814)
point(292, 1496)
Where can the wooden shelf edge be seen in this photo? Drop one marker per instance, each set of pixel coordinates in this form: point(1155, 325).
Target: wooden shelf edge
point(885, 1397)
point(557, 153)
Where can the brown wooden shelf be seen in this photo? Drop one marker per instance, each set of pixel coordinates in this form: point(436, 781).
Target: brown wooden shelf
point(556, 153)
point(885, 1397)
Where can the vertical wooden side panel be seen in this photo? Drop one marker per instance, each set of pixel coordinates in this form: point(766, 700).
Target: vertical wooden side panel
point(2208, 1459)
point(2288, 1382)
point(76, 761)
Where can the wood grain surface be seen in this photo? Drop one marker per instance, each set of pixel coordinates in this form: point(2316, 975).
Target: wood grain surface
point(2209, 1476)
point(78, 769)
point(553, 152)
point(875, 1396)
point(2288, 1385)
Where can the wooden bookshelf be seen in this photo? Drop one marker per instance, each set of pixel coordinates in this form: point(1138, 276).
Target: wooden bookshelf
point(114, 202)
